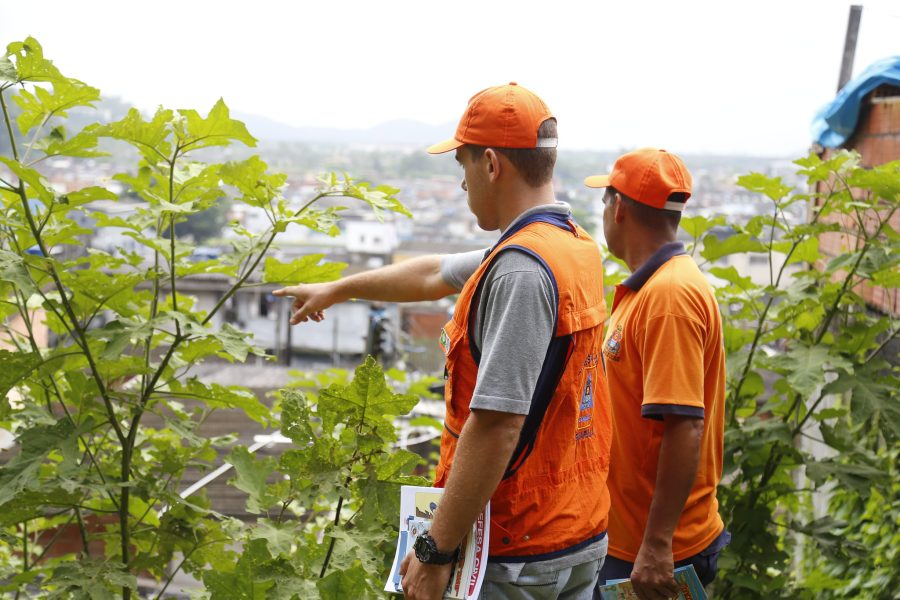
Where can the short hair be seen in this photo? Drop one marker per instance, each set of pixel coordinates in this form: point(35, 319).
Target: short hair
point(534, 164)
point(654, 217)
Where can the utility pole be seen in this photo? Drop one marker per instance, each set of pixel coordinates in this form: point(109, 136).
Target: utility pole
point(850, 45)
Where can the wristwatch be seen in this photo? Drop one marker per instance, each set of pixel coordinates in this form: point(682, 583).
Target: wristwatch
point(427, 552)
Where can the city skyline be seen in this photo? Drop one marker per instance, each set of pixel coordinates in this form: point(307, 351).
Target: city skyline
point(696, 77)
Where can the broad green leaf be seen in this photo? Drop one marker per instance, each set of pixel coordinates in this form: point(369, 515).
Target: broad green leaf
point(697, 226)
point(217, 129)
point(249, 580)
point(772, 187)
point(295, 418)
point(279, 536)
point(806, 251)
point(381, 198)
point(30, 62)
point(367, 396)
point(713, 248)
point(29, 505)
point(39, 106)
point(83, 144)
point(215, 395)
point(251, 476)
point(857, 475)
point(7, 69)
point(251, 178)
point(36, 443)
point(85, 195)
point(306, 269)
point(97, 580)
point(731, 275)
point(149, 137)
point(14, 270)
point(33, 179)
point(806, 367)
point(349, 583)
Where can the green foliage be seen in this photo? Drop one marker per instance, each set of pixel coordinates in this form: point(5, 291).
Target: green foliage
point(809, 489)
point(123, 336)
point(331, 501)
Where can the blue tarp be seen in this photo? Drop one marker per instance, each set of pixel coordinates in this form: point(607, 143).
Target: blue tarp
point(837, 120)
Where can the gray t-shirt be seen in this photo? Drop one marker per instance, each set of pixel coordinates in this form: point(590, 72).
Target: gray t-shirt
point(514, 320)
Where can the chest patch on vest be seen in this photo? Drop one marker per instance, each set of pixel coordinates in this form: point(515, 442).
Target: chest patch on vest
point(613, 346)
point(444, 341)
point(586, 404)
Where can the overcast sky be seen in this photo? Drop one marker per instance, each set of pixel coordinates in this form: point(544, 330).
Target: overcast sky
point(690, 75)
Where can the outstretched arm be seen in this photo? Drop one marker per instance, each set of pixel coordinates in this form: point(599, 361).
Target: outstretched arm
point(412, 280)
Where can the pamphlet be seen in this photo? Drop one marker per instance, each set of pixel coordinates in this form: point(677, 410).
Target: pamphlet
point(691, 588)
point(417, 507)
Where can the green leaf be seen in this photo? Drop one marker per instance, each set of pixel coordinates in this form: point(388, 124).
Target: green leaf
point(250, 177)
point(220, 396)
point(7, 69)
point(83, 144)
point(39, 106)
point(97, 580)
point(34, 180)
point(279, 536)
point(251, 477)
point(806, 367)
point(731, 275)
point(713, 248)
point(30, 62)
point(21, 472)
point(295, 418)
point(149, 137)
point(367, 396)
point(856, 474)
point(248, 581)
point(348, 583)
point(85, 195)
point(697, 226)
point(14, 270)
point(302, 270)
point(380, 198)
point(218, 129)
point(806, 251)
point(772, 187)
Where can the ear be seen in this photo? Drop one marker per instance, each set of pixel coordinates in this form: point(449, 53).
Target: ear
point(492, 164)
point(618, 208)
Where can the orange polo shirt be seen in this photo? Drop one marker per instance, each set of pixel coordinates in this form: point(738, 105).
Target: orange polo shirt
point(664, 355)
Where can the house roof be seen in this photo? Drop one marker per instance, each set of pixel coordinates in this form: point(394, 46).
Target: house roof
point(836, 121)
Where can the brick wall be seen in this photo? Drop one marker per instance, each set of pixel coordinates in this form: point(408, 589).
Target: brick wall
point(877, 139)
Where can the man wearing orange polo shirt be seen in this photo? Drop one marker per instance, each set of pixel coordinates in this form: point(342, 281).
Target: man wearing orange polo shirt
point(665, 365)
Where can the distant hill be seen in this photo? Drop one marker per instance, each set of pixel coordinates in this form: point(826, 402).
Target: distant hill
point(400, 132)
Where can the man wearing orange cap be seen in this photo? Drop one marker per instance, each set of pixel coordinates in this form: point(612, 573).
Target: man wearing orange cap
point(665, 364)
point(527, 409)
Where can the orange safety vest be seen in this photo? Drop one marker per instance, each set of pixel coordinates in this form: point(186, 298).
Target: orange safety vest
point(553, 497)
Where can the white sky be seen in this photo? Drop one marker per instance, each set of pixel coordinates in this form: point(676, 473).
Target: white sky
point(690, 75)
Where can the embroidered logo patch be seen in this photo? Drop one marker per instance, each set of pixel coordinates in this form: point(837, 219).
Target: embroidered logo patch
point(444, 341)
point(583, 428)
point(613, 346)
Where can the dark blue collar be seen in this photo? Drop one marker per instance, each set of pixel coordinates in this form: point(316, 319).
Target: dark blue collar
point(554, 218)
point(643, 273)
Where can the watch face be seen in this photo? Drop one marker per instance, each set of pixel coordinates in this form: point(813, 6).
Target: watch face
point(422, 549)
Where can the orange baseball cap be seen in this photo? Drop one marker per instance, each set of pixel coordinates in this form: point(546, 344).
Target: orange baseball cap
point(505, 116)
point(648, 175)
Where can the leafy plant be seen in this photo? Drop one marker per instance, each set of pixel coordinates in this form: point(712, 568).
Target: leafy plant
point(812, 413)
point(124, 338)
point(339, 484)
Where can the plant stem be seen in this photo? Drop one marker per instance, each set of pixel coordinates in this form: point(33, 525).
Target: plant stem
point(12, 138)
